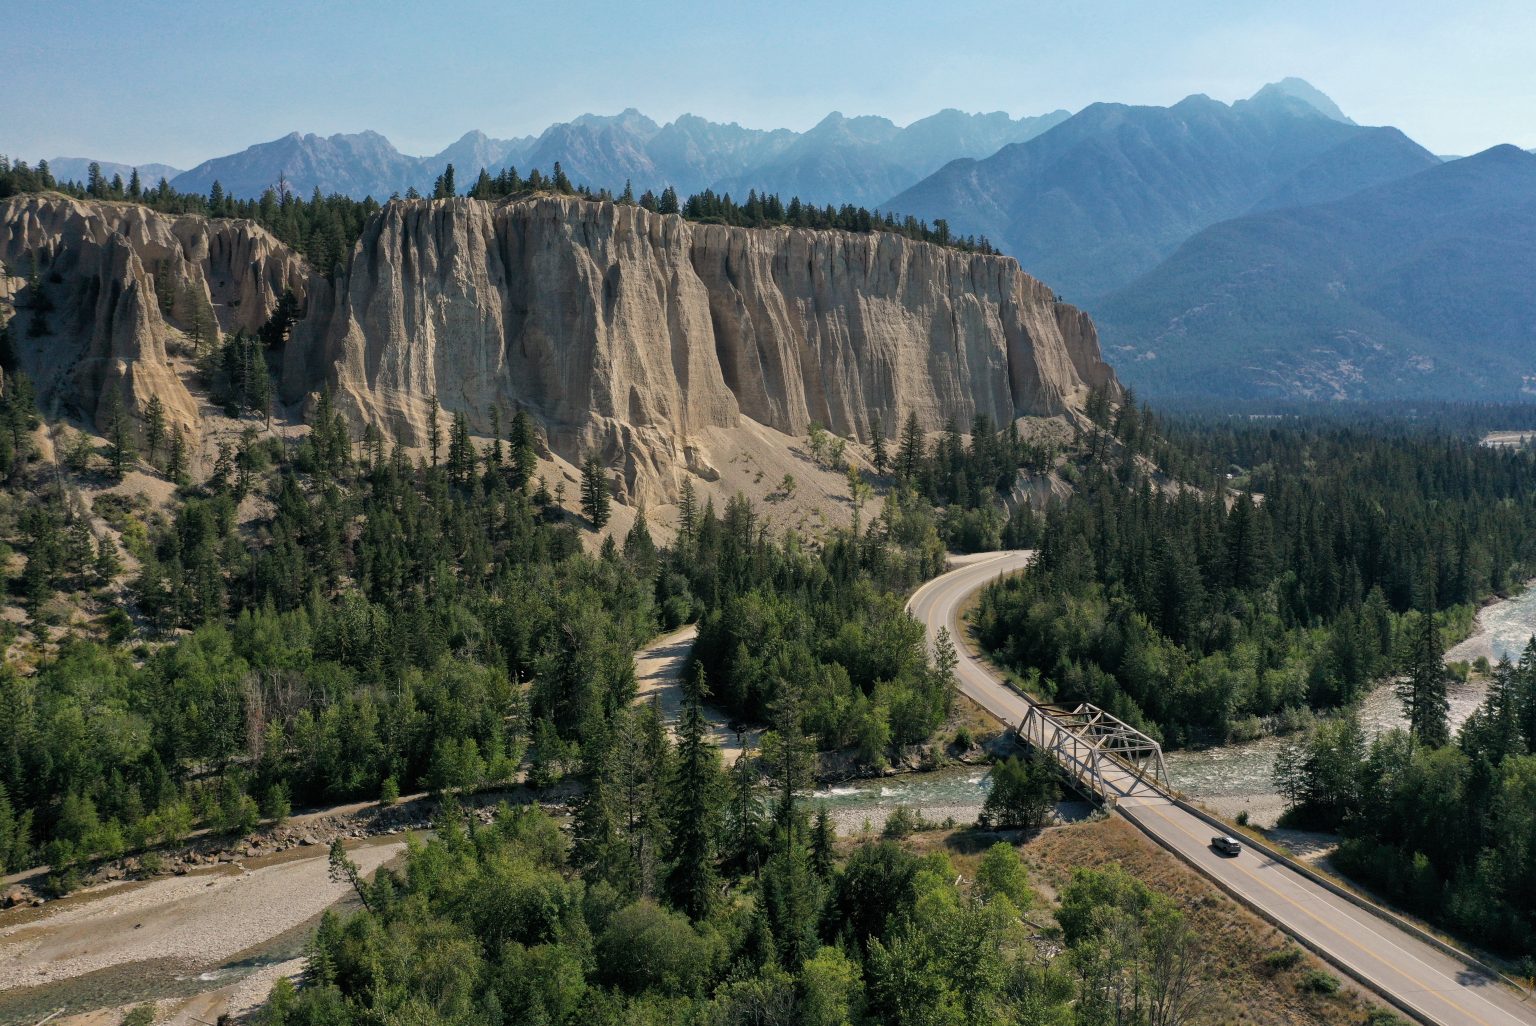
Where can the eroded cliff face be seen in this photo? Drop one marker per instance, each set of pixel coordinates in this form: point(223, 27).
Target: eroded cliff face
point(103, 268)
point(637, 333)
point(642, 335)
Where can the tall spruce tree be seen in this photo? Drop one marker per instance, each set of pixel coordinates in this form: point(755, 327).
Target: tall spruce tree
point(910, 459)
point(695, 805)
point(523, 458)
point(1424, 690)
point(118, 429)
point(154, 427)
point(594, 490)
point(434, 427)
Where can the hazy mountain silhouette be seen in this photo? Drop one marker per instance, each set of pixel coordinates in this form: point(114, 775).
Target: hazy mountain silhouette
point(1113, 190)
point(1417, 288)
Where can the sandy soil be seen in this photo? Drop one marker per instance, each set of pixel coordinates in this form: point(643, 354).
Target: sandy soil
point(201, 919)
point(658, 672)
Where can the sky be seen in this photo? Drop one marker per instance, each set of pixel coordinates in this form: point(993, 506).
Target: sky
point(178, 82)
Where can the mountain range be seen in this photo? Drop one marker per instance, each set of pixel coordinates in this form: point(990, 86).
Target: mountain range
point(1105, 196)
point(1267, 247)
point(78, 169)
point(863, 160)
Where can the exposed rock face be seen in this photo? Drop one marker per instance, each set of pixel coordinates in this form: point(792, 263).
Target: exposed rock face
point(101, 267)
point(633, 332)
point(642, 335)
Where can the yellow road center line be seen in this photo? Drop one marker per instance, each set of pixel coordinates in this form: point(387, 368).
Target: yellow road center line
point(1446, 997)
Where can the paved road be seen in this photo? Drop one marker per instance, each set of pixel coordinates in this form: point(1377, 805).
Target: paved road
point(1414, 974)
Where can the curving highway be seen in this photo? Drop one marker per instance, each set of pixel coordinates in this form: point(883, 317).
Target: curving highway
point(1421, 979)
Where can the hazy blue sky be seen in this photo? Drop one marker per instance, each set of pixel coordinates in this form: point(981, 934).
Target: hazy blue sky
point(178, 82)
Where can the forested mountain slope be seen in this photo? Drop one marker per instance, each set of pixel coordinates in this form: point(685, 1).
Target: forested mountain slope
point(1416, 288)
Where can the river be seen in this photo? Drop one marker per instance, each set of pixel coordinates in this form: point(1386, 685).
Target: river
point(1239, 778)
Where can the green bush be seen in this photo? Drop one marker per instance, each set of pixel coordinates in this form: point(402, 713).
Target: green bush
point(901, 822)
point(275, 805)
point(1319, 982)
point(389, 792)
point(1285, 958)
point(647, 947)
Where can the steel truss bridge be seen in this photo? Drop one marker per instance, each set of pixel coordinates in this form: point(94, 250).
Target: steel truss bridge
point(1105, 755)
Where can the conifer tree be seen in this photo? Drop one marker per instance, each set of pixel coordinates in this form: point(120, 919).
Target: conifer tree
point(117, 428)
point(522, 455)
point(877, 450)
point(695, 805)
point(687, 512)
point(594, 490)
point(434, 428)
point(910, 459)
point(823, 855)
point(154, 427)
point(1424, 691)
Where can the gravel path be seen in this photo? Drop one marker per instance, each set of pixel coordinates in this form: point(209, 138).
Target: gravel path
point(659, 670)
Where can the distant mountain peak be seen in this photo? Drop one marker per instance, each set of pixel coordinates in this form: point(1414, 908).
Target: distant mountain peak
point(1300, 89)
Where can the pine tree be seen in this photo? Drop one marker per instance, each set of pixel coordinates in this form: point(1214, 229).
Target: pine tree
point(1424, 691)
point(594, 490)
point(560, 182)
point(823, 853)
point(789, 760)
point(695, 805)
point(687, 512)
point(744, 815)
point(910, 459)
point(434, 428)
point(116, 426)
point(154, 427)
point(522, 455)
point(461, 453)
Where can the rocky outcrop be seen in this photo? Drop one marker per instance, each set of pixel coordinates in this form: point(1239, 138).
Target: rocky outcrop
point(642, 335)
point(635, 332)
point(118, 278)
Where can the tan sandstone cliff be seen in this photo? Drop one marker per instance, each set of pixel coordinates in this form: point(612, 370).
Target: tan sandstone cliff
point(102, 266)
point(645, 336)
point(638, 333)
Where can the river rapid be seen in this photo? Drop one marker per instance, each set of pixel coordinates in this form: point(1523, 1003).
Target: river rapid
point(1240, 778)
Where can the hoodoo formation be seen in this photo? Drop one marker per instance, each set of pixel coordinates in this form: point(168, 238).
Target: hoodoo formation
point(619, 329)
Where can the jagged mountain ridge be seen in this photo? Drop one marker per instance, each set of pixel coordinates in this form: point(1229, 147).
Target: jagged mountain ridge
point(77, 169)
point(860, 160)
point(643, 335)
point(1107, 194)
